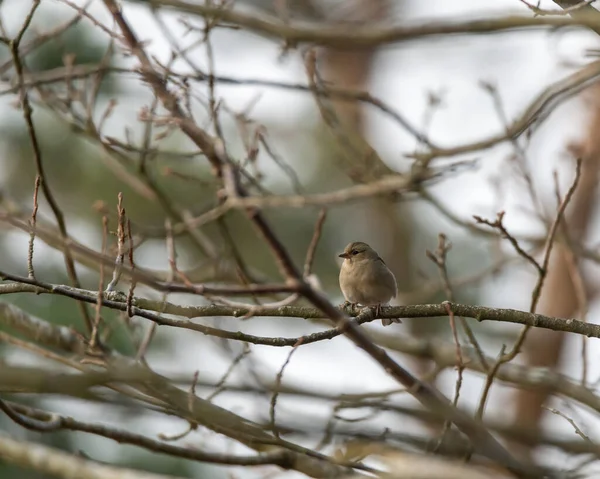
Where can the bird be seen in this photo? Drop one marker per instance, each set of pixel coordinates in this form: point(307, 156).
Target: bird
point(365, 279)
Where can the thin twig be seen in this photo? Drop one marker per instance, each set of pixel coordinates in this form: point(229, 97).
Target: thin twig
point(537, 290)
point(314, 242)
point(45, 420)
point(220, 386)
point(572, 259)
point(488, 384)
point(439, 258)
point(32, 223)
point(577, 429)
point(276, 388)
point(98, 309)
point(120, 245)
point(133, 284)
point(37, 155)
point(499, 225)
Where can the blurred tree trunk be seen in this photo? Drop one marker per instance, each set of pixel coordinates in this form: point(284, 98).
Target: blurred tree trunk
point(352, 69)
point(559, 296)
point(393, 222)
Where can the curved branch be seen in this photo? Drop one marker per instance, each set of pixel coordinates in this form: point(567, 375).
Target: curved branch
point(442, 353)
point(367, 36)
point(28, 455)
point(534, 114)
point(282, 458)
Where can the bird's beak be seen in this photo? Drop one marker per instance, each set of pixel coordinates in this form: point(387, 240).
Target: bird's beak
point(344, 255)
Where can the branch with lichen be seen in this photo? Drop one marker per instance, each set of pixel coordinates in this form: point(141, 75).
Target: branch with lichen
point(149, 309)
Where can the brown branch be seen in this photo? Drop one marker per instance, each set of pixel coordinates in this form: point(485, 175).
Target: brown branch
point(98, 309)
point(481, 438)
point(52, 462)
point(534, 113)
point(121, 218)
point(146, 308)
point(36, 380)
point(276, 388)
point(537, 291)
point(198, 289)
point(314, 242)
point(443, 354)
point(32, 224)
point(367, 36)
point(53, 422)
point(499, 225)
point(37, 155)
point(157, 390)
point(537, 111)
point(223, 167)
point(159, 86)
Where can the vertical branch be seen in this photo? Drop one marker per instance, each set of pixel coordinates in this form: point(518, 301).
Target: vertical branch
point(543, 268)
point(314, 242)
point(276, 388)
point(488, 383)
point(97, 317)
point(220, 386)
point(576, 277)
point(120, 245)
point(32, 224)
point(550, 241)
point(132, 264)
point(190, 406)
point(559, 297)
point(37, 155)
point(439, 258)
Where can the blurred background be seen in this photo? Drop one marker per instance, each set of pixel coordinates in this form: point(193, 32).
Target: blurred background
point(455, 89)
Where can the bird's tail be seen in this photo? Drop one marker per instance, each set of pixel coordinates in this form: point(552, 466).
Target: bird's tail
point(388, 321)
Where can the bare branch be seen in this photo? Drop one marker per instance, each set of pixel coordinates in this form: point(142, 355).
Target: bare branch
point(50, 461)
point(367, 36)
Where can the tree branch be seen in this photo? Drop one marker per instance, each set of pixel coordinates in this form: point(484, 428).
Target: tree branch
point(366, 36)
point(46, 460)
point(148, 308)
point(281, 458)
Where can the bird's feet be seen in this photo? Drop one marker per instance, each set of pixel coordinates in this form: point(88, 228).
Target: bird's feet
point(375, 310)
point(385, 321)
point(348, 304)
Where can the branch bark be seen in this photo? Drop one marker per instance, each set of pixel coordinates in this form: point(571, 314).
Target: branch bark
point(367, 36)
point(45, 460)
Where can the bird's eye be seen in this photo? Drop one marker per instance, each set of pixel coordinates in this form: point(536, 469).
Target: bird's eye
point(354, 252)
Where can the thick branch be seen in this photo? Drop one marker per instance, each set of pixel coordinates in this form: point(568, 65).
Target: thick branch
point(442, 353)
point(367, 36)
point(50, 461)
point(146, 308)
point(280, 457)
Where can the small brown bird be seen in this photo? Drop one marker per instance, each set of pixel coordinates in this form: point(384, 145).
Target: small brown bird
point(365, 279)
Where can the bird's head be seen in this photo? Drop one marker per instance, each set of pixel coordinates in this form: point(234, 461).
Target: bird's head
point(358, 251)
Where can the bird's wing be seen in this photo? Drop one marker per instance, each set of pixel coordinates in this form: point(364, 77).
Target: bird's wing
point(392, 277)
